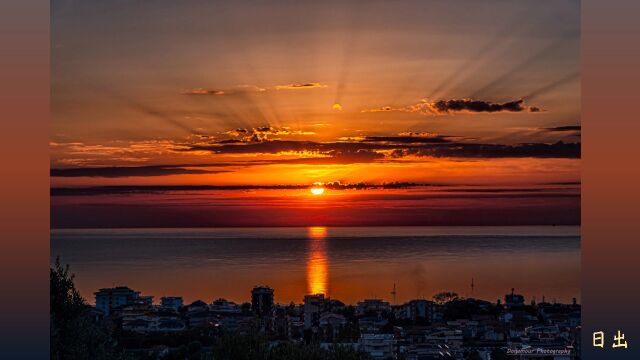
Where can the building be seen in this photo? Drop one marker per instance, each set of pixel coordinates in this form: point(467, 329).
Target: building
point(379, 346)
point(144, 300)
point(331, 325)
point(108, 299)
point(418, 331)
point(314, 305)
point(372, 306)
point(197, 306)
point(225, 306)
point(172, 302)
point(262, 300)
point(147, 322)
point(416, 310)
point(372, 324)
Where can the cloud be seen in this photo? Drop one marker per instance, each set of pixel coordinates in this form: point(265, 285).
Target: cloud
point(468, 105)
point(419, 134)
point(263, 147)
point(237, 132)
point(81, 160)
point(441, 107)
point(299, 86)
point(568, 128)
point(203, 91)
point(384, 109)
point(263, 133)
point(125, 189)
point(563, 183)
point(129, 171)
point(252, 88)
point(240, 89)
point(246, 89)
point(438, 190)
point(336, 157)
point(408, 138)
point(400, 147)
point(535, 150)
point(114, 152)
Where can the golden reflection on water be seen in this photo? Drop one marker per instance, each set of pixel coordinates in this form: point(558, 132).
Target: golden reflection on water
point(317, 262)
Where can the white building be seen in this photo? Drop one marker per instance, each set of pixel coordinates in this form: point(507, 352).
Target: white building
point(313, 306)
point(416, 309)
point(332, 324)
point(171, 302)
point(372, 306)
point(379, 346)
point(108, 299)
point(225, 306)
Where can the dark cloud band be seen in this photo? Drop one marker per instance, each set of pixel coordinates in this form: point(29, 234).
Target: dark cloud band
point(478, 106)
point(401, 147)
point(129, 171)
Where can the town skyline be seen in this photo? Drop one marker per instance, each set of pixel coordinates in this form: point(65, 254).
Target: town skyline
point(447, 326)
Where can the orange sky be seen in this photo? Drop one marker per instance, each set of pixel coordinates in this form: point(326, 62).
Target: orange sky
point(353, 92)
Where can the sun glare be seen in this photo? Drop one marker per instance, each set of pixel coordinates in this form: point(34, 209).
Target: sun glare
point(317, 190)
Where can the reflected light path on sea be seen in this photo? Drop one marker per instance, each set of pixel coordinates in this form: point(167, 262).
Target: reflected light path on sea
point(317, 262)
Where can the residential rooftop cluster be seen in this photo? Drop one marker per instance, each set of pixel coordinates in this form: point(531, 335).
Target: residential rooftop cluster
point(448, 328)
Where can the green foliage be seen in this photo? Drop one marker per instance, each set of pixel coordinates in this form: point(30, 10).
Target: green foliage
point(74, 334)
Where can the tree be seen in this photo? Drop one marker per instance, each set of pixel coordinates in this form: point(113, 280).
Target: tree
point(74, 334)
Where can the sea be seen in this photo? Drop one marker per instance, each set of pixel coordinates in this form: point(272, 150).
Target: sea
point(350, 264)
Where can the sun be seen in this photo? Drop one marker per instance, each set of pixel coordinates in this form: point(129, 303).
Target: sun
point(317, 188)
point(337, 107)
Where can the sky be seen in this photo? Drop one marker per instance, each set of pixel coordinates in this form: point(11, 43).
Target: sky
point(464, 106)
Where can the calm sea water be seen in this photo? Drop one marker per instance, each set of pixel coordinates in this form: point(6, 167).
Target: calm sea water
point(345, 263)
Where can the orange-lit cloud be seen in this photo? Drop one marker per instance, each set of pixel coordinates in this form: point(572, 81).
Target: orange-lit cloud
point(244, 89)
point(434, 146)
point(203, 91)
point(300, 86)
point(270, 145)
point(263, 133)
point(240, 89)
point(116, 152)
